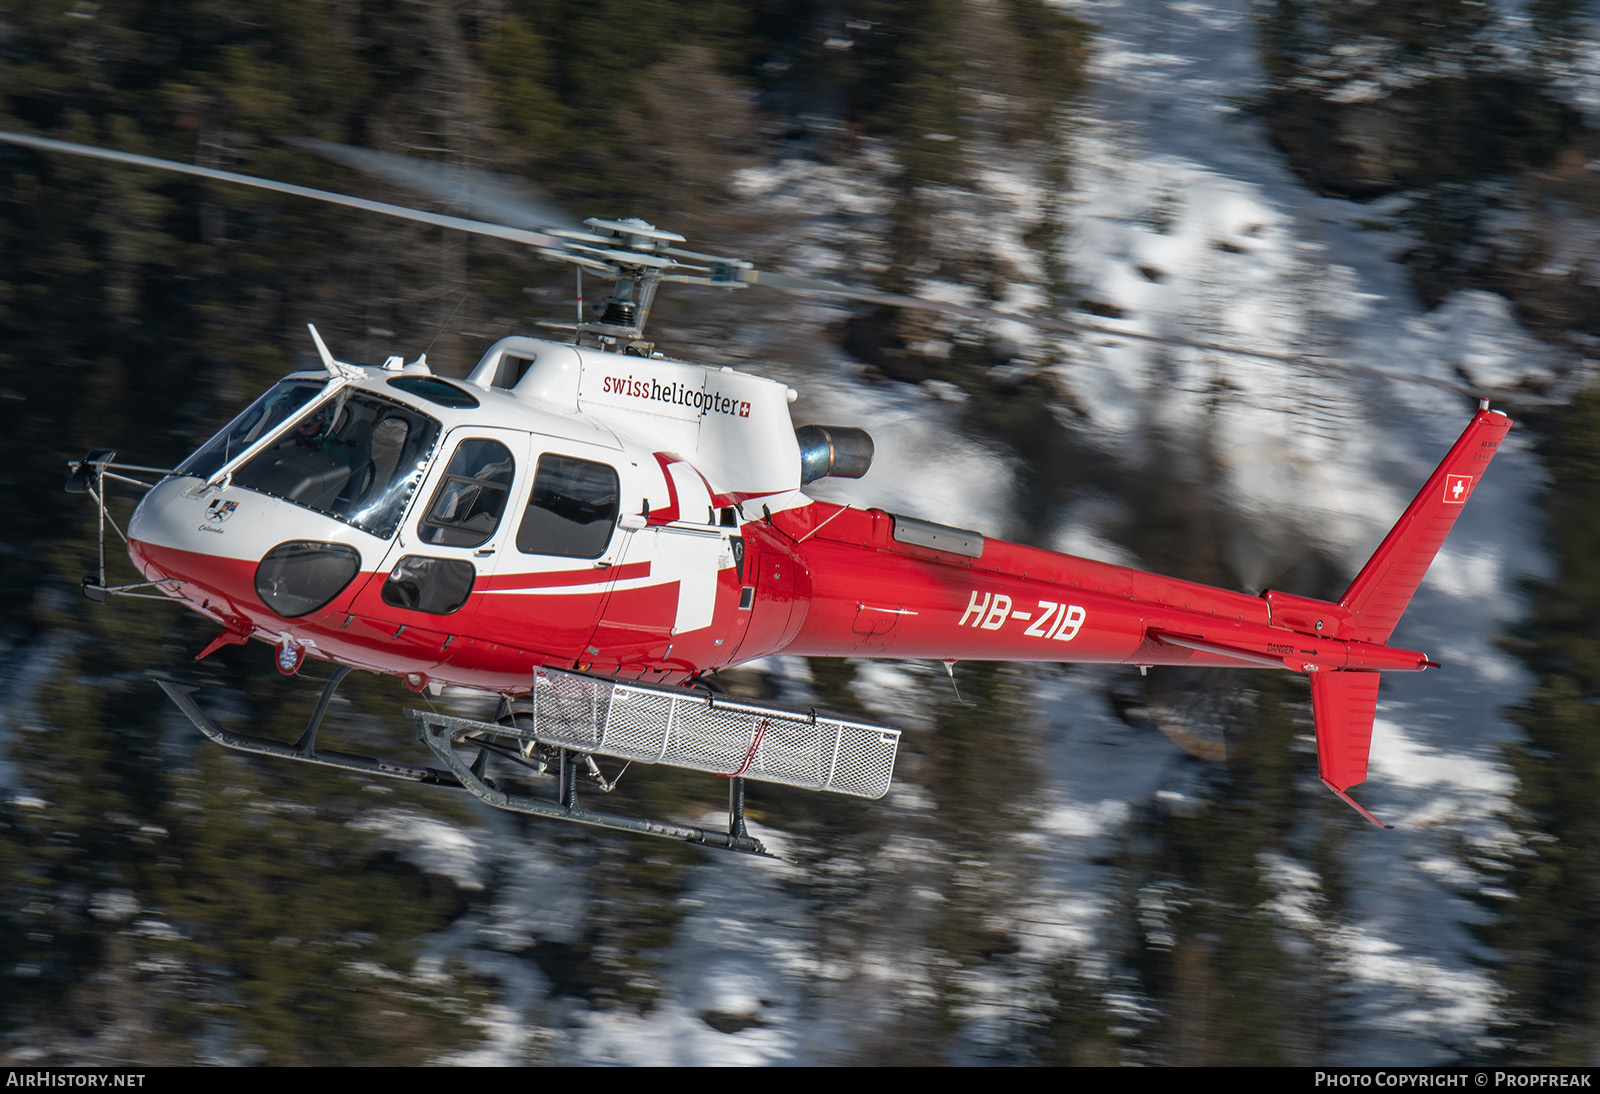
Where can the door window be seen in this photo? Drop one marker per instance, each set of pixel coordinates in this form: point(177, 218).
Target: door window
point(571, 509)
point(467, 506)
point(437, 586)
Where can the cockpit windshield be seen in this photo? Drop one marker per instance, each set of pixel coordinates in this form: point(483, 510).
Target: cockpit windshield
point(254, 422)
point(358, 456)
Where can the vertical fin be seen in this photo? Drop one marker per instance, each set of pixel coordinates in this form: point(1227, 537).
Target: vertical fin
point(1344, 704)
point(1383, 589)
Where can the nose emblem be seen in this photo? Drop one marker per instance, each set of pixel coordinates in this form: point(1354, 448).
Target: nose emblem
point(290, 655)
point(219, 510)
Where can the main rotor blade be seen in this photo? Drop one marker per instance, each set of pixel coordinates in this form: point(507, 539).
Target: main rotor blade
point(477, 227)
point(1071, 326)
point(504, 199)
point(602, 254)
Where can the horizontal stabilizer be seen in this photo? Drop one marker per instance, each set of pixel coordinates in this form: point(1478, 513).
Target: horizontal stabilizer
point(1201, 645)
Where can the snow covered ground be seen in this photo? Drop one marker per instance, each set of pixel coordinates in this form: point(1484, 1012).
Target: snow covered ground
point(1184, 219)
point(1301, 272)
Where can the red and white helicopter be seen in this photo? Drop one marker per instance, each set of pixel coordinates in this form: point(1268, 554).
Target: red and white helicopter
point(589, 529)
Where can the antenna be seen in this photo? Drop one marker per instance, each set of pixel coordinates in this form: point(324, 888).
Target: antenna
point(445, 324)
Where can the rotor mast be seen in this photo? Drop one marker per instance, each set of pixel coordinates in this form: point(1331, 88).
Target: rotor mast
point(631, 252)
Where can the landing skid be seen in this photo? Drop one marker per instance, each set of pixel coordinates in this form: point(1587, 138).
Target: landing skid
point(441, 733)
point(304, 749)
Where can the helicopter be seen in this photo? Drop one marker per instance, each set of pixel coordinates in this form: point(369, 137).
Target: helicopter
point(588, 530)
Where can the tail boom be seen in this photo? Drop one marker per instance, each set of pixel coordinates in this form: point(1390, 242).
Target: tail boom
point(854, 583)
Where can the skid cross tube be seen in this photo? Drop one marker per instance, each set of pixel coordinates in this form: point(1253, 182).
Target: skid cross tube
point(307, 744)
point(736, 806)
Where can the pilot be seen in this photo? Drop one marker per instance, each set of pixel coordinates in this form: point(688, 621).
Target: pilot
point(315, 433)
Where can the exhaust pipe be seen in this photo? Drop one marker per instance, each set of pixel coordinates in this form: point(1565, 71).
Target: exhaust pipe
point(841, 451)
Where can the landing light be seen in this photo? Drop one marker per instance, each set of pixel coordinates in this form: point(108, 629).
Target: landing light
point(290, 656)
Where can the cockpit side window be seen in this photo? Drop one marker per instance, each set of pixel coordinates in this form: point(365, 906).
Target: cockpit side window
point(467, 506)
point(572, 509)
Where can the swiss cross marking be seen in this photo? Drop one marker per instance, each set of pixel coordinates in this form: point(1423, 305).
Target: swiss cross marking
point(1456, 489)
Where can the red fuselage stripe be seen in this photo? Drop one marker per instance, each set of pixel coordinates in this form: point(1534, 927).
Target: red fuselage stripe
point(560, 578)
